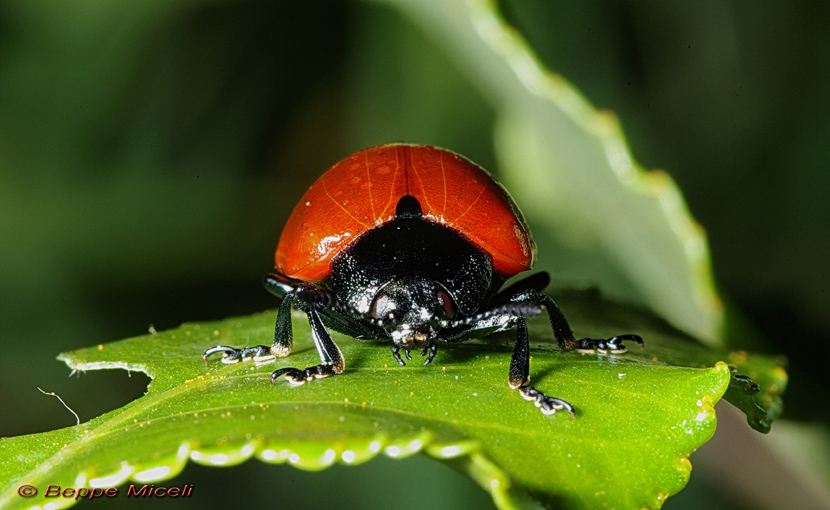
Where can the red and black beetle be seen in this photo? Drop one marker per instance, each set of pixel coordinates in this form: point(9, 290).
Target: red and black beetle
point(410, 243)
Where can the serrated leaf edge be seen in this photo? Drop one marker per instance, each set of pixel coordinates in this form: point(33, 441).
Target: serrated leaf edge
point(493, 479)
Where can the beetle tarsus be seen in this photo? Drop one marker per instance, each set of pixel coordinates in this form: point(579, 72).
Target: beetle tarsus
point(546, 404)
point(612, 345)
point(296, 377)
point(234, 355)
point(406, 351)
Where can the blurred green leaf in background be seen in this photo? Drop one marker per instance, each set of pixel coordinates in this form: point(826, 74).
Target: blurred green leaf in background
point(151, 151)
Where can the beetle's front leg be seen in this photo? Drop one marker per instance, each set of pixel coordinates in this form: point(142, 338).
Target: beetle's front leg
point(279, 349)
point(519, 375)
point(331, 358)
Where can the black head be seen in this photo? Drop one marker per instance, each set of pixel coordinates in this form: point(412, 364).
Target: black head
point(413, 310)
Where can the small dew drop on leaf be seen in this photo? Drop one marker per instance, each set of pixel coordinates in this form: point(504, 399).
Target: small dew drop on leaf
point(393, 451)
point(450, 451)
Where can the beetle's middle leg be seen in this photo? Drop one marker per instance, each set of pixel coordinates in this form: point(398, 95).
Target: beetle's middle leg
point(331, 358)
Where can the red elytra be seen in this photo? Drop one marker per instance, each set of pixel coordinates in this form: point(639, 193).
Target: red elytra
point(362, 191)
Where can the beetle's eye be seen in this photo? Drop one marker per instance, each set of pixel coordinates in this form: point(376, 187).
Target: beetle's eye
point(382, 307)
point(446, 302)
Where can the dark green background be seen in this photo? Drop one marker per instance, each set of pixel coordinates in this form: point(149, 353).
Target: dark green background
point(150, 153)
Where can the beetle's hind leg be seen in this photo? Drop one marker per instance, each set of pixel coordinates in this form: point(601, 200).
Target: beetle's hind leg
point(562, 330)
point(331, 358)
point(519, 375)
point(280, 348)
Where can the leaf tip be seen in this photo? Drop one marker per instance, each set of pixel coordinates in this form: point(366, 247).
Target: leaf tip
point(724, 371)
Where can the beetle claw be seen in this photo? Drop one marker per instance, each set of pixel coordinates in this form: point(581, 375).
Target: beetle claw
point(613, 345)
point(546, 404)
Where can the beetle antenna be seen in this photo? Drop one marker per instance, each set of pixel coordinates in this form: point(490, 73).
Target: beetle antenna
point(324, 298)
point(316, 296)
point(509, 309)
point(330, 300)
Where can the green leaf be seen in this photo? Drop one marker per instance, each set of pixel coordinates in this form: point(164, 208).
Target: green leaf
point(639, 414)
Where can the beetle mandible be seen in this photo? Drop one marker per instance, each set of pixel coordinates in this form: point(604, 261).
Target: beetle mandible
point(410, 243)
